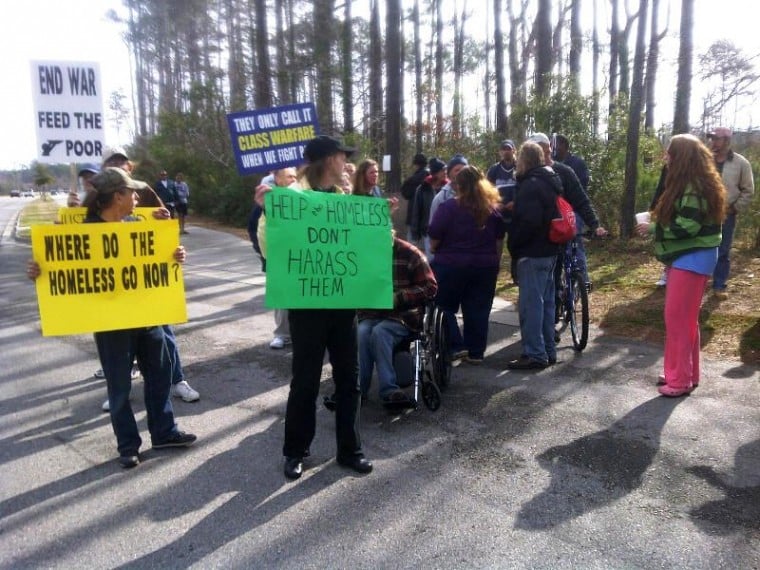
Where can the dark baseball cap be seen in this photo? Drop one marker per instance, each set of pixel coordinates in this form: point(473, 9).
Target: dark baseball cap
point(324, 146)
point(508, 143)
point(112, 179)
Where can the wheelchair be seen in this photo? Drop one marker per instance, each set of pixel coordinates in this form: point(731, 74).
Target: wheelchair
point(423, 360)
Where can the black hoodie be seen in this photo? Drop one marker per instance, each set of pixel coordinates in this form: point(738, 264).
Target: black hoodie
point(535, 206)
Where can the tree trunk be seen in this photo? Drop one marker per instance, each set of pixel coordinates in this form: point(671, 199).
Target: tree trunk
point(685, 54)
point(263, 80)
point(544, 61)
point(624, 85)
point(417, 77)
point(634, 126)
point(498, 55)
point(576, 44)
point(283, 93)
point(614, 54)
point(347, 69)
point(293, 78)
point(235, 65)
point(393, 98)
point(596, 50)
point(438, 73)
point(652, 64)
point(456, 112)
point(519, 54)
point(375, 79)
point(324, 24)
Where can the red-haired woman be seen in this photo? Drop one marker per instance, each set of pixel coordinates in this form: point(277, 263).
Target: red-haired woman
point(687, 232)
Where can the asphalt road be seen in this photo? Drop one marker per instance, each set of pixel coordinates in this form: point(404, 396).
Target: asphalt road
point(578, 466)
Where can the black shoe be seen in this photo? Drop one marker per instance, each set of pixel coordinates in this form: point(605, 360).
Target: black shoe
point(129, 461)
point(177, 439)
point(526, 363)
point(293, 467)
point(552, 360)
point(358, 463)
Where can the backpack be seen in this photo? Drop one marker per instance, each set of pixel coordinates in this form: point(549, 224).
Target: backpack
point(562, 228)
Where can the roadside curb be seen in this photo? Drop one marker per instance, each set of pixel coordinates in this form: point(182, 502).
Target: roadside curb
point(10, 228)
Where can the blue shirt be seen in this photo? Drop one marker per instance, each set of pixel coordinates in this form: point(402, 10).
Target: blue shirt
point(701, 261)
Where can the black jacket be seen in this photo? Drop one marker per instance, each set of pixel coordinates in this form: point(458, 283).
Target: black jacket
point(409, 187)
point(420, 209)
point(535, 206)
point(574, 193)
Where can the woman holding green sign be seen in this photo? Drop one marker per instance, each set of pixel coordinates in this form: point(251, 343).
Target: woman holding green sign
point(312, 332)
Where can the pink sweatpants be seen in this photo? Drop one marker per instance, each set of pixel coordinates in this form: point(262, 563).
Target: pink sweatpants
point(683, 298)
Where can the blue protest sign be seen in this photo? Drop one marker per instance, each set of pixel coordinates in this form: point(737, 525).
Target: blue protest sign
point(272, 138)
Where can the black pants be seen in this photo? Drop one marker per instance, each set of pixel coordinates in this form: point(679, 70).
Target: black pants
point(313, 331)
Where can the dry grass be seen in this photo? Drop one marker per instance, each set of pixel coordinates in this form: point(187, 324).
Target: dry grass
point(626, 303)
point(41, 211)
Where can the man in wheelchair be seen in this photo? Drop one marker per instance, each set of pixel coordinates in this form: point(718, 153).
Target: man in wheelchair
point(381, 330)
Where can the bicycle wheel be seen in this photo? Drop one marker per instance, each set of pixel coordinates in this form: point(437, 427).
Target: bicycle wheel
point(579, 314)
point(439, 349)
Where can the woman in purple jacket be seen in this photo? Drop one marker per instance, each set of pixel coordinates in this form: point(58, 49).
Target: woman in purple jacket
point(467, 237)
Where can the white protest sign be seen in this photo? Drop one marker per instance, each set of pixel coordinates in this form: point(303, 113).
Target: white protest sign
point(68, 111)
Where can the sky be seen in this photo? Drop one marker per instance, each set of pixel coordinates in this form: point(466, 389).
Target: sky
point(77, 30)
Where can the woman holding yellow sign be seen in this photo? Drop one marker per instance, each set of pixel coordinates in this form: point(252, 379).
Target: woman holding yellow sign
point(114, 198)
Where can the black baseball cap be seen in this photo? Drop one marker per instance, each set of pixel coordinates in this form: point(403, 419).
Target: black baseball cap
point(324, 146)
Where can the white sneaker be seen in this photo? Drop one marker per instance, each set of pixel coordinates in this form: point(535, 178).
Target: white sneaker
point(279, 342)
point(99, 373)
point(184, 391)
point(106, 407)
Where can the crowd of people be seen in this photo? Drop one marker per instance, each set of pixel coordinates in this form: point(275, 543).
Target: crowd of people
point(457, 220)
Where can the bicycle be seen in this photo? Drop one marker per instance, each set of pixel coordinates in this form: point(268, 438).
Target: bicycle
point(572, 298)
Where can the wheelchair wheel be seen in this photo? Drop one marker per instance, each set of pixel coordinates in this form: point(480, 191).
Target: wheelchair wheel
point(579, 318)
point(439, 348)
point(431, 395)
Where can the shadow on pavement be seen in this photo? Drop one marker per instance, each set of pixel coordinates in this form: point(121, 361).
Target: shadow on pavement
point(597, 469)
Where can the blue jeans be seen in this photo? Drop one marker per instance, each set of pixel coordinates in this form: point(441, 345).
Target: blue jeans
point(536, 306)
point(473, 289)
point(171, 343)
point(377, 339)
point(720, 275)
point(117, 350)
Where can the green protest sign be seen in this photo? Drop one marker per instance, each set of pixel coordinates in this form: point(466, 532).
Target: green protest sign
point(327, 251)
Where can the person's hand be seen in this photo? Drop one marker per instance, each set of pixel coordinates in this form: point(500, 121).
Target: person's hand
point(393, 204)
point(642, 229)
point(509, 206)
point(600, 232)
point(33, 269)
point(180, 254)
point(72, 201)
point(261, 191)
point(161, 214)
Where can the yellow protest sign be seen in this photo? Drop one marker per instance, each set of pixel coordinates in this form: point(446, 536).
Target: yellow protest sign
point(108, 276)
point(78, 214)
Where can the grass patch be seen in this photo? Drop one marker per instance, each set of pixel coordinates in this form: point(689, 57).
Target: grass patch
point(41, 211)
